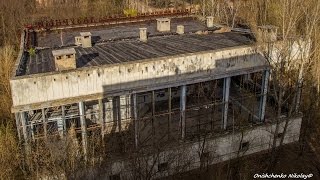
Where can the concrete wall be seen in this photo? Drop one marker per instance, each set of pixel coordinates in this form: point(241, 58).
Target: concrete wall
point(186, 157)
point(56, 86)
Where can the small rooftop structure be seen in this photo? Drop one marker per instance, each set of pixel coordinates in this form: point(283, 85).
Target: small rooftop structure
point(84, 39)
point(64, 59)
point(180, 29)
point(163, 24)
point(209, 21)
point(143, 34)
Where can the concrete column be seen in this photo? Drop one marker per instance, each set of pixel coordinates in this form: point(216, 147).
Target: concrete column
point(136, 123)
point(83, 127)
point(183, 110)
point(63, 119)
point(24, 120)
point(169, 118)
point(17, 117)
point(44, 121)
point(101, 116)
point(226, 93)
point(118, 113)
point(264, 92)
point(153, 112)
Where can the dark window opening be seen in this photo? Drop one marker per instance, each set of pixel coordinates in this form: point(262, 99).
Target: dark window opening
point(115, 177)
point(204, 157)
point(244, 146)
point(279, 135)
point(163, 167)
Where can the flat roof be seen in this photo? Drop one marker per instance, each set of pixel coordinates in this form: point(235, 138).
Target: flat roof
point(49, 38)
point(121, 51)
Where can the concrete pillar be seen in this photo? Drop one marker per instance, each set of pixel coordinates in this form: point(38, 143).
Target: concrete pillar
point(24, 121)
point(109, 113)
point(183, 110)
point(170, 115)
point(136, 120)
point(17, 117)
point(63, 118)
point(101, 116)
point(44, 121)
point(226, 93)
point(118, 112)
point(83, 127)
point(153, 113)
point(264, 92)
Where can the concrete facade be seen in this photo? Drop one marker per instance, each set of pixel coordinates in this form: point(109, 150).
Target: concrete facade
point(95, 81)
point(198, 86)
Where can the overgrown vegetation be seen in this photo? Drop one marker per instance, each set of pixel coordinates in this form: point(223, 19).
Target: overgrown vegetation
point(295, 18)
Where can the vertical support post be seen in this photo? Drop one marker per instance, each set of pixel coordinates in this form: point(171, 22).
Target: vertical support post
point(101, 117)
point(119, 102)
point(169, 118)
point(183, 110)
point(135, 115)
point(44, 121)
point(24, 126)
point(17, 117)
point(153, 113)
point(226, 93)
point(63, 109)
point(264, 92)
point(83, 128)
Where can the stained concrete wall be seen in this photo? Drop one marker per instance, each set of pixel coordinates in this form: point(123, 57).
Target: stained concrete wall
point(186, 156)
point(35, 91)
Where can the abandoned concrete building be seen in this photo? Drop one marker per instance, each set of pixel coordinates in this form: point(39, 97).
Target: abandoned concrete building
point(166, 80)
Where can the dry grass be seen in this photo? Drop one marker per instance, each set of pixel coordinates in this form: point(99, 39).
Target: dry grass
point(7, 57)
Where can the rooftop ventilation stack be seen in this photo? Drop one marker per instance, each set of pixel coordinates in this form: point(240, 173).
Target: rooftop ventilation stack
point(209, 21)
point(64, 59)
point(143, 34)
point(163, 24)
point(85, 38)
point(180, 29)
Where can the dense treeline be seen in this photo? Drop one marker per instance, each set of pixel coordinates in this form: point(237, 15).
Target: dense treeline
point(295, 19)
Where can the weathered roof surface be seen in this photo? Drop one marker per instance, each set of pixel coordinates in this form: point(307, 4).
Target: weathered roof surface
point(120, 31)
point(131, 50)
point(60, 52)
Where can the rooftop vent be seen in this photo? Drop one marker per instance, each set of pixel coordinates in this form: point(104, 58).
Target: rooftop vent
point(64, 59)
point(267, 33)
point(163, 24)
point(180, 29)
point(209, 21)
point(143, 34)
point(84, 39)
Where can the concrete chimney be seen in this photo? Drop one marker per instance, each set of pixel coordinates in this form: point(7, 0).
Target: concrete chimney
point(267, 33)
point(163, 24)
point(209, 21)
point(86, 39)
point(143, 34)
point(180, 29)
point(64, 59)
